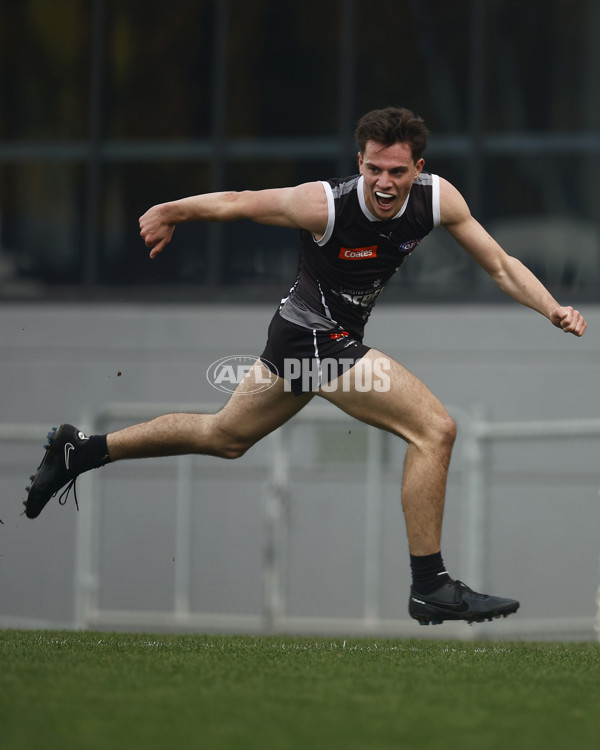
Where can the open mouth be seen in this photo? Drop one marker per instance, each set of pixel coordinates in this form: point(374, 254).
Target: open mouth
point(384, 200)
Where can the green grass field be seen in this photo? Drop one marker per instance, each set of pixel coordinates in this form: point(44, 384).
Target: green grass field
point(86, 690)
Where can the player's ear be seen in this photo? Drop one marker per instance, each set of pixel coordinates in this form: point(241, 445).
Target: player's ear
point(419, 167)
point(360, 161)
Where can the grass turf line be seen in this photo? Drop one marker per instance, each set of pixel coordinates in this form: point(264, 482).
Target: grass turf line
point(112, 690)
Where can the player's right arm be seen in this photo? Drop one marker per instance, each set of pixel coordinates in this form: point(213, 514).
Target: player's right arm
point(300, 207)
point(514, 278)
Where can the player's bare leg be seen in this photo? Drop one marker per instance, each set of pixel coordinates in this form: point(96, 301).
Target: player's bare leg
point(250, 414)
point(406, 407)
point(246, 418)
point(410, 410)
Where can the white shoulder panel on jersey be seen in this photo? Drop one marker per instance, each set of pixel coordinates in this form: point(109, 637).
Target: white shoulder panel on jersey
point(425, 178)
point(330, 216)
point(435, 200)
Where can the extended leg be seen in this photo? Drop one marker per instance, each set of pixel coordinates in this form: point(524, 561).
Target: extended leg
point(246, 418)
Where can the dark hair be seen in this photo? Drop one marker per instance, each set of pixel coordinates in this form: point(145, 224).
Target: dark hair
point(392, 125)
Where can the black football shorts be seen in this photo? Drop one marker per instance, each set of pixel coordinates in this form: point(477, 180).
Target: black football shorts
point(308, 358)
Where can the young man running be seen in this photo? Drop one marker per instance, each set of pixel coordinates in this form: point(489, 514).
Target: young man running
point(355, 233)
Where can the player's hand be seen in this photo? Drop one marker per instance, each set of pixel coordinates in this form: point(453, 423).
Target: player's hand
point(570, 320)
point(155, 229)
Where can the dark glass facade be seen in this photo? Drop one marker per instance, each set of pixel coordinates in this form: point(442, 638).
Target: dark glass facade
point(110, 106)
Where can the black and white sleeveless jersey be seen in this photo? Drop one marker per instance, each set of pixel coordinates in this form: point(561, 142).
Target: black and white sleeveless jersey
point(341, 275)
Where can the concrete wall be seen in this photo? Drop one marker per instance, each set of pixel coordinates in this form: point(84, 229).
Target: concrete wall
point(65, 362)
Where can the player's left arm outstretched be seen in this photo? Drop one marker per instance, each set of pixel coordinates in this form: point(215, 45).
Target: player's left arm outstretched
point(508, 272)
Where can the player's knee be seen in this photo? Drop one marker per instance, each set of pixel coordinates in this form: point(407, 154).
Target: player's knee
point(444, 432)
point(230, 444)
point(232, 448)
point(437, 435)
point(233, 451)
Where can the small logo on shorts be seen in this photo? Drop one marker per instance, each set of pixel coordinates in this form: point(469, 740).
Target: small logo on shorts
point(339, 335)
point(358, 253)
point(243, 373)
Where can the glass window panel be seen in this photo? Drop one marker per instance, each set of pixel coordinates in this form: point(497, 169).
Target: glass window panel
point(159, 69)
point(539, 184)
point(415, 55)
point(44, 69)
point(542, 70)
point(41, 211)
point(283, 79)
point(282, 61)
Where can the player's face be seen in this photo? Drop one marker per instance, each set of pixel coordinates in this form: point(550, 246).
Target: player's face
point(389, 172)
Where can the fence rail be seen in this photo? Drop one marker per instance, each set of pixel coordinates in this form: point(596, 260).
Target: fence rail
point(477, 434)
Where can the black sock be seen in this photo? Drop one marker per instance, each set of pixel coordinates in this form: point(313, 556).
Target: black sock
point(91, 454)
point(428, 572)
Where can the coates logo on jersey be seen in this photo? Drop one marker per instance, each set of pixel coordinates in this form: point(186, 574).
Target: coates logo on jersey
point(358, 253)
point(339, 335)
point(408, 247)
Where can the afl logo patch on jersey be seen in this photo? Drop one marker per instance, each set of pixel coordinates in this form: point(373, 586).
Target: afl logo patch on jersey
point(358, 253)
point(407, 247)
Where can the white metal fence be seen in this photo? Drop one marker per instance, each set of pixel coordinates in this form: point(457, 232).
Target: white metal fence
point(473, 483)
